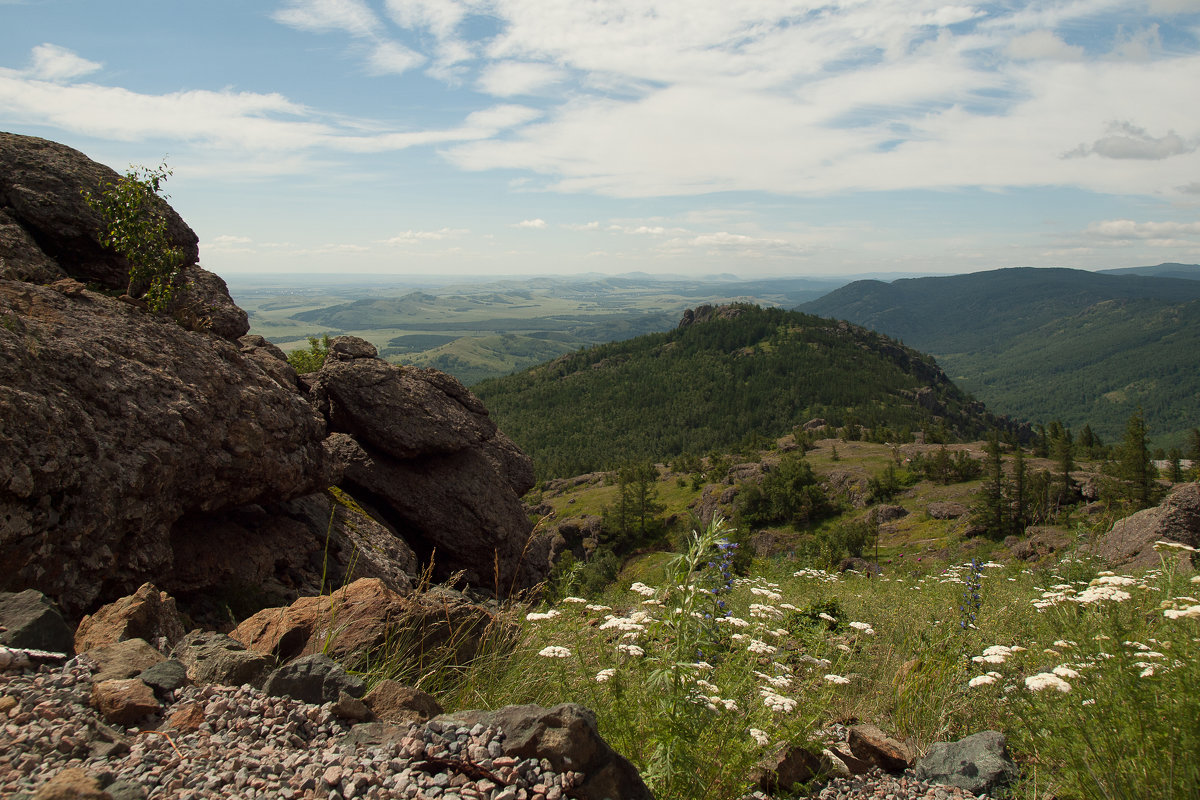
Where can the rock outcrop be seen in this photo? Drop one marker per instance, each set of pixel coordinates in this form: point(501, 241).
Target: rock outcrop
point(1130, 543)
point(174, 448)
point(114, 425)
point(424, 454)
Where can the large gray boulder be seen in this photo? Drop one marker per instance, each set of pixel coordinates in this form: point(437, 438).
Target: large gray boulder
point(216, 658)
point(979, 763)
point(30, 620)
point(1130, 542)
point(566, 736)
point(435, 467)
point(313, 679)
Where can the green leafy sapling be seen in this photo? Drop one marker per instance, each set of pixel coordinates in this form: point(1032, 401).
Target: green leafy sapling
point(136, 229)
point(313, 358)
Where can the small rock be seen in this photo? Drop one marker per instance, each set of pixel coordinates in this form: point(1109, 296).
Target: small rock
point(124, 702)
point(871, 744)
point(71, 784)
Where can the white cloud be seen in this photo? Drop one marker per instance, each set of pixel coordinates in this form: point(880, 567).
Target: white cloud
point(1174, 6)
point(390, 58)
point(320, 16)
point(594, 225)
point(416, 237)
point(508, 78)
point(1042, 45)
point(535, 224)
point(736, 243)
point(1126, 140)
point(1129, 229)
point(1140, 45)
point(441, 17)
point(54, 63)
point(236, 122)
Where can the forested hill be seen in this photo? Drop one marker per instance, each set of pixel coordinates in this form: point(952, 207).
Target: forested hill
point(983, 310)
point(713, 384)
point(1045, 344)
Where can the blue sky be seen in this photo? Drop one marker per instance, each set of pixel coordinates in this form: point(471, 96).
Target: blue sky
point(754, 137)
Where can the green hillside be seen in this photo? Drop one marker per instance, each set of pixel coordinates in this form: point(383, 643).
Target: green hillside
point(1045, 344)
point(715, 384)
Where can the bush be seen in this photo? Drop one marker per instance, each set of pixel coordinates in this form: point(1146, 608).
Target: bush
point(788, 495)
point(312, 359)
point(136, 231)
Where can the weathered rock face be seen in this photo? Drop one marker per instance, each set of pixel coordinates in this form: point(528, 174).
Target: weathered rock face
point(1130, 543)
point(114, 424)
point(422, 451)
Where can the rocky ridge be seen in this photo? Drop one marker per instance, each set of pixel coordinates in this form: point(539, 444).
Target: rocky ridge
point(175, 448)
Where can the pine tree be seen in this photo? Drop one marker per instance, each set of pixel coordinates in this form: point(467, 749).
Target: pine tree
point(1134, 467)
point(1193, 445)
point(990, 512)
point(1019, 501)
point(1064, 455)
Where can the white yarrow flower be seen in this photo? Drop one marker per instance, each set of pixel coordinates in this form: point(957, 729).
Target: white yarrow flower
point(760, 737)
point(837, 679)
point(761, 648)
point(1046, 680)
point(554, 651)
point(535, 616)
point(605, 674)
point(980, 680)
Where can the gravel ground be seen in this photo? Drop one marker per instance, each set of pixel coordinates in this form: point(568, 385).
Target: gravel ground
point(251, 745)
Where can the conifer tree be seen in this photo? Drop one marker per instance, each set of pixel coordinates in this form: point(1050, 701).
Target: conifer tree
point(1134, 468)
point(1193, 445)
point(990, 512)
point(1019, 503)
point(1064, 455)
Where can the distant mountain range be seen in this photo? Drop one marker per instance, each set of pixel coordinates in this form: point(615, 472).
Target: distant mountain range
point(1043, 344)
point(741, 373)
point(1168, 270)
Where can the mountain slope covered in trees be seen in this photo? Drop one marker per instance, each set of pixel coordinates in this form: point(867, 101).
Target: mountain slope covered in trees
point(747, 372)
point(1044, 344)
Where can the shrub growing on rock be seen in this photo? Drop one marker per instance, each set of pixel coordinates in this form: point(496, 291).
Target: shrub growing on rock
point(135, 230)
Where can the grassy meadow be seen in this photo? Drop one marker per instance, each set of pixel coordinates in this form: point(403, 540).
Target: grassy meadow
point(695, 670)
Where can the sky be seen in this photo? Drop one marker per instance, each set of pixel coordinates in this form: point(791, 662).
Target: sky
point(691, 137)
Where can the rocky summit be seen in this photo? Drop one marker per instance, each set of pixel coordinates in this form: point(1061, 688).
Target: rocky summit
point(174, 448)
